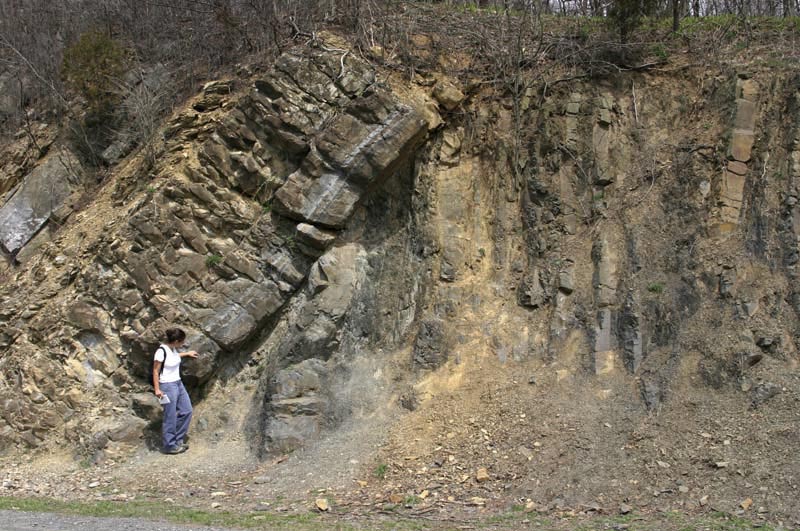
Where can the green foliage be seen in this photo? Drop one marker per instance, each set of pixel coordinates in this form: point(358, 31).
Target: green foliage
point(173, 513)
point(626, 15)
point(656, 287)
point(92, 67)
point(660, 51)
point(213, 260)
point(380, 471)
point(411, 500)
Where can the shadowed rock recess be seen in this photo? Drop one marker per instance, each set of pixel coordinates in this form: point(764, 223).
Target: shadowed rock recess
point(338, 241)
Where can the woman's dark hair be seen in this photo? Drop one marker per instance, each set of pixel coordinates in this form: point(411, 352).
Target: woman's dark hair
point(174, 334)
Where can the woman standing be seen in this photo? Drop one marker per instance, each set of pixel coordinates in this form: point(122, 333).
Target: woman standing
point(170, 391)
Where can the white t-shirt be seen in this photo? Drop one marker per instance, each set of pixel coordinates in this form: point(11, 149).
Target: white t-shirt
point(172, 365)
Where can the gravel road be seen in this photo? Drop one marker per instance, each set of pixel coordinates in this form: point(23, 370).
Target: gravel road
point(25, 521)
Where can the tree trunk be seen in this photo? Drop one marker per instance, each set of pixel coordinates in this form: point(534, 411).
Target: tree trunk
point(676, 15)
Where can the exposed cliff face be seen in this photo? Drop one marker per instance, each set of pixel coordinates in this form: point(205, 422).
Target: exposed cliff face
point(343, 246)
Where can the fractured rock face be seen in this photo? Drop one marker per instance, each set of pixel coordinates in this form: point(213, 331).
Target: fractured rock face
point(605, 274)
point(43, 191)
point(297, 405)
point(352, 154)
point(430, 350)
point(215, 246)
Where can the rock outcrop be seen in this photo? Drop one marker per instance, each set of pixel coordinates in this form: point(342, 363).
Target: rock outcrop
point(219, 244)
point(333, 246)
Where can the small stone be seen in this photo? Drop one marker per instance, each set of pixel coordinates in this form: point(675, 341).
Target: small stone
point(322, 504)
point(477, 501)
point(260, 480)
point(315, 237)
point(448, 96)
point(625, 508)
point(683, 488)
point(746, 504)
point(216, 505)
point(482, 475)
point(594, 507)
point(721, 464)
point(751, 308)
point(218, 494)
point(424, 494)
point(94, 484)
point(739, 168)
point(662, 464)
point(704, 500)
point(763, 392)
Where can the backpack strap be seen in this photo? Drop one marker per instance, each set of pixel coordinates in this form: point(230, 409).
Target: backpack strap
point(162, 349)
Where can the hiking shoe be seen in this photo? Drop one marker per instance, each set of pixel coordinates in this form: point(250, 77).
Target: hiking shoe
point(184, 446)
point(176, 450)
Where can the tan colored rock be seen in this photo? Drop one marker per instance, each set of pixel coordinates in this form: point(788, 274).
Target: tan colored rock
point(448, 96)
point(322, 504)
point(482, 475)
point(745, 115)
point(605, 277)
point(451, 147)
point(747, 89)
point(573, 107)
point(571, 132)
point(732, 188)
point(739, 168)
point(316, 238)
point(741, 145)
point(730, 218)
point(127, 429)
point(85, 316)
point(604, 362)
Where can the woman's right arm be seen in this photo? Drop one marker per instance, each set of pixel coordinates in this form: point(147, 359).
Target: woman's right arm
point(156, 371)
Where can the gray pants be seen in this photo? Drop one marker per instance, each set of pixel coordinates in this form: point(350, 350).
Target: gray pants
point(177, 415)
